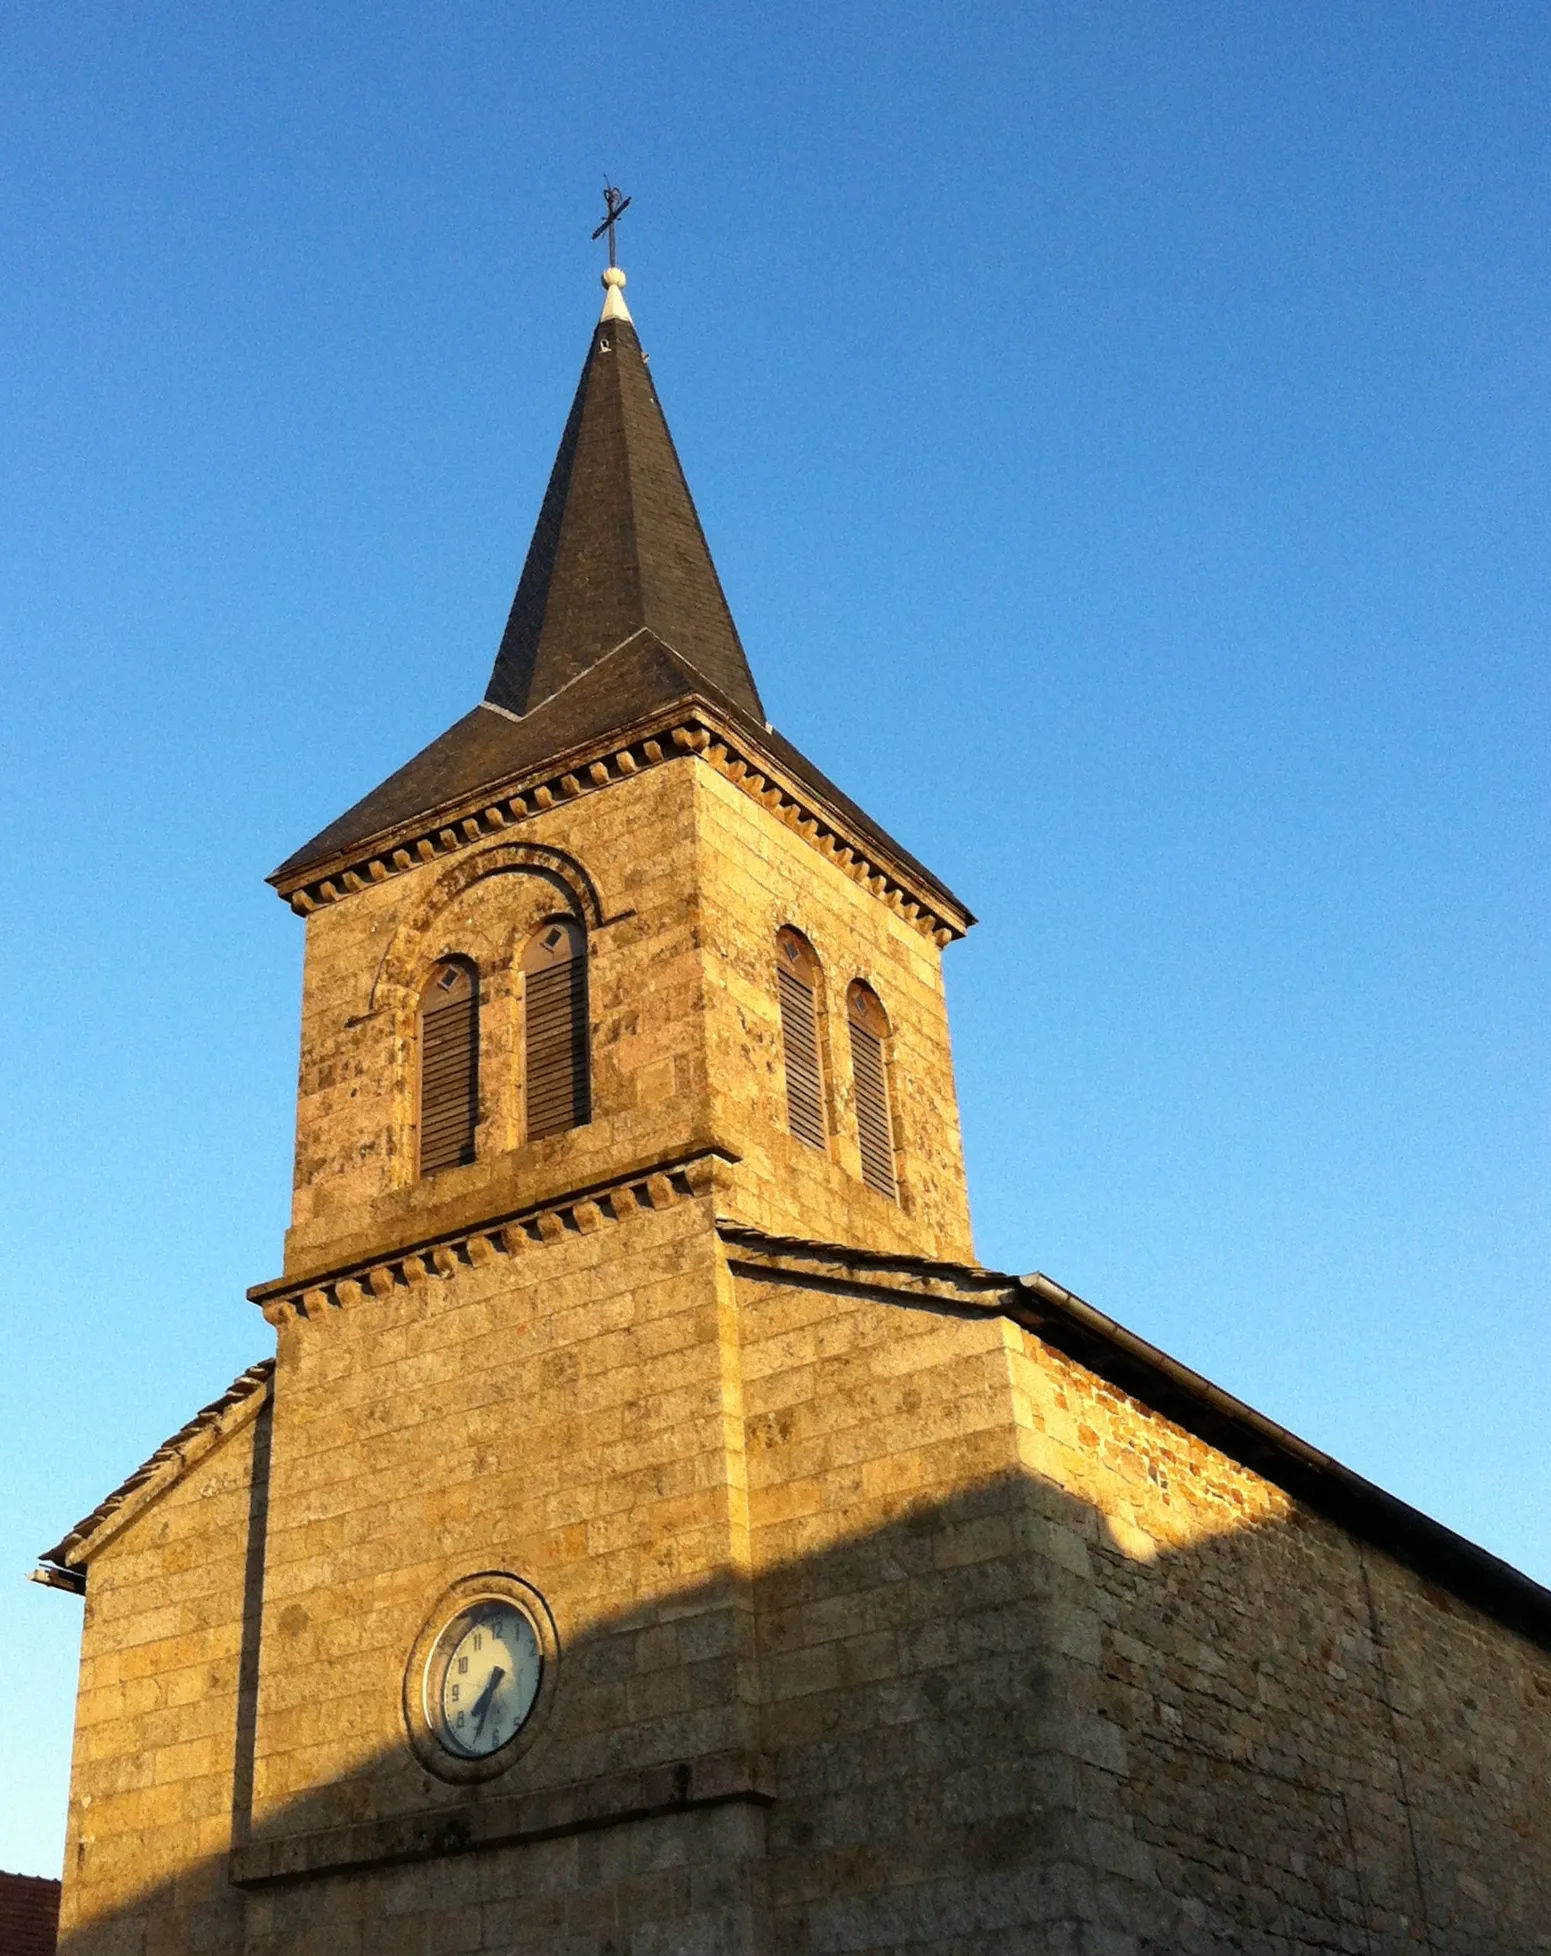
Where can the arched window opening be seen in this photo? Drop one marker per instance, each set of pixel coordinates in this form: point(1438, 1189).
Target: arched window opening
point(869, 1028)
point(449, 1066)
point(556, 1082)
point(798, 977)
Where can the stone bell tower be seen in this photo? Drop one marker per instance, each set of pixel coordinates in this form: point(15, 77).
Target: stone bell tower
point(620, 774)
point(606, 969)
point(654, 1535)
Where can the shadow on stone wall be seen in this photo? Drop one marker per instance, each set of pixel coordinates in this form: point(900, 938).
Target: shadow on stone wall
point(983, 1727)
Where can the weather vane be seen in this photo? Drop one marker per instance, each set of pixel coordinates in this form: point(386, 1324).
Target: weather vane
point(616, 206)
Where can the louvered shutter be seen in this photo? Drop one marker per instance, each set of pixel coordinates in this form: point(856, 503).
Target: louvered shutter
point(869, 1079)
point(555, 1072)
point(795, 983)
point(449, 1069)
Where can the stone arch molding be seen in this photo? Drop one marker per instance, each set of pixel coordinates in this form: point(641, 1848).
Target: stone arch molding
point(402, 963)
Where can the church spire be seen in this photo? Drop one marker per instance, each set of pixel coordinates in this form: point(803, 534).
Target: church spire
point(618, 548)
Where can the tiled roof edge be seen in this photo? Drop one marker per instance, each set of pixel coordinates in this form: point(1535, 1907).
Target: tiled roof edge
point(64, 1565)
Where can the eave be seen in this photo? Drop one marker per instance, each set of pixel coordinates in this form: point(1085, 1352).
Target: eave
point(64, 1565)
point(693, 726)
point(1062, 1320)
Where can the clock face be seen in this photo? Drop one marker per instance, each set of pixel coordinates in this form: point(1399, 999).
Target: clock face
point(482, 1677)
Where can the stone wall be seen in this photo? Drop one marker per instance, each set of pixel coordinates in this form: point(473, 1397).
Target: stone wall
point(883, 1626)
point(757, 874)
point(1036, 1660)
point(569, 1415)
point(154, 1778)
point(633, 848)
point(683, 882)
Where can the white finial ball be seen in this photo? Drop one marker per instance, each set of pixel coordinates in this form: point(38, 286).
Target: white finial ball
point(613, 276)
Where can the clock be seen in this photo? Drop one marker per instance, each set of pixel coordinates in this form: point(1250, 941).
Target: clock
point(477, 1677)
point(483, 1677)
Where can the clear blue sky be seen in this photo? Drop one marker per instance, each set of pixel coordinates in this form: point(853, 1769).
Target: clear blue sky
point(1122, 431)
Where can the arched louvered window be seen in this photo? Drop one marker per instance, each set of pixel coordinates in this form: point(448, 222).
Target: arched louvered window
point(798, 977)
point(556, 1087)
point(869, 1029)
point(449, 1066)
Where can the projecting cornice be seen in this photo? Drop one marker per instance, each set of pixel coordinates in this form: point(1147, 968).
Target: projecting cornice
point(764, 767)
point(516, 1233)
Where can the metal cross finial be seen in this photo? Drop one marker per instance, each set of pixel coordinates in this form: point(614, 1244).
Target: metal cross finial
point(616, 206)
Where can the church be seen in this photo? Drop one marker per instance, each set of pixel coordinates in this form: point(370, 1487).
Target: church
point(654, 1533)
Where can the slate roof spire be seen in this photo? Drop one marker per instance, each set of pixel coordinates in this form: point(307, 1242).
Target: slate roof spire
point(619, 617)
point(618, 548)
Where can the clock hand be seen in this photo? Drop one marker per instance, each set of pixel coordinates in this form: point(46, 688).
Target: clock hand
point(481, 1705)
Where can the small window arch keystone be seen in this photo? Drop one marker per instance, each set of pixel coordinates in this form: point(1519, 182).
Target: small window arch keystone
point(868, 1025)
point(799, 977)
point(449, 1065)
point(557, 1085)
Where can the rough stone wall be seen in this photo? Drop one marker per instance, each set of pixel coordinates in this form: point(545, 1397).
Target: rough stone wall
point(694, 879)
point(161, 1683)
point(674, 1885)
point(1039, 1664)
point(756, 874)
point(923, 1611)
point(570, 1416)
point(1319, 1748)
point(357, 1189)
point(883, 1627)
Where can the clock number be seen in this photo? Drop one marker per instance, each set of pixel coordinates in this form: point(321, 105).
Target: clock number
point(454, 1694)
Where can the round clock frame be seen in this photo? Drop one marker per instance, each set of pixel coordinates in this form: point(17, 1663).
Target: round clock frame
point(448, 1628)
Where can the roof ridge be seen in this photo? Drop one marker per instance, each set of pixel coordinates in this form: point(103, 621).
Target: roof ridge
point(641, 631)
